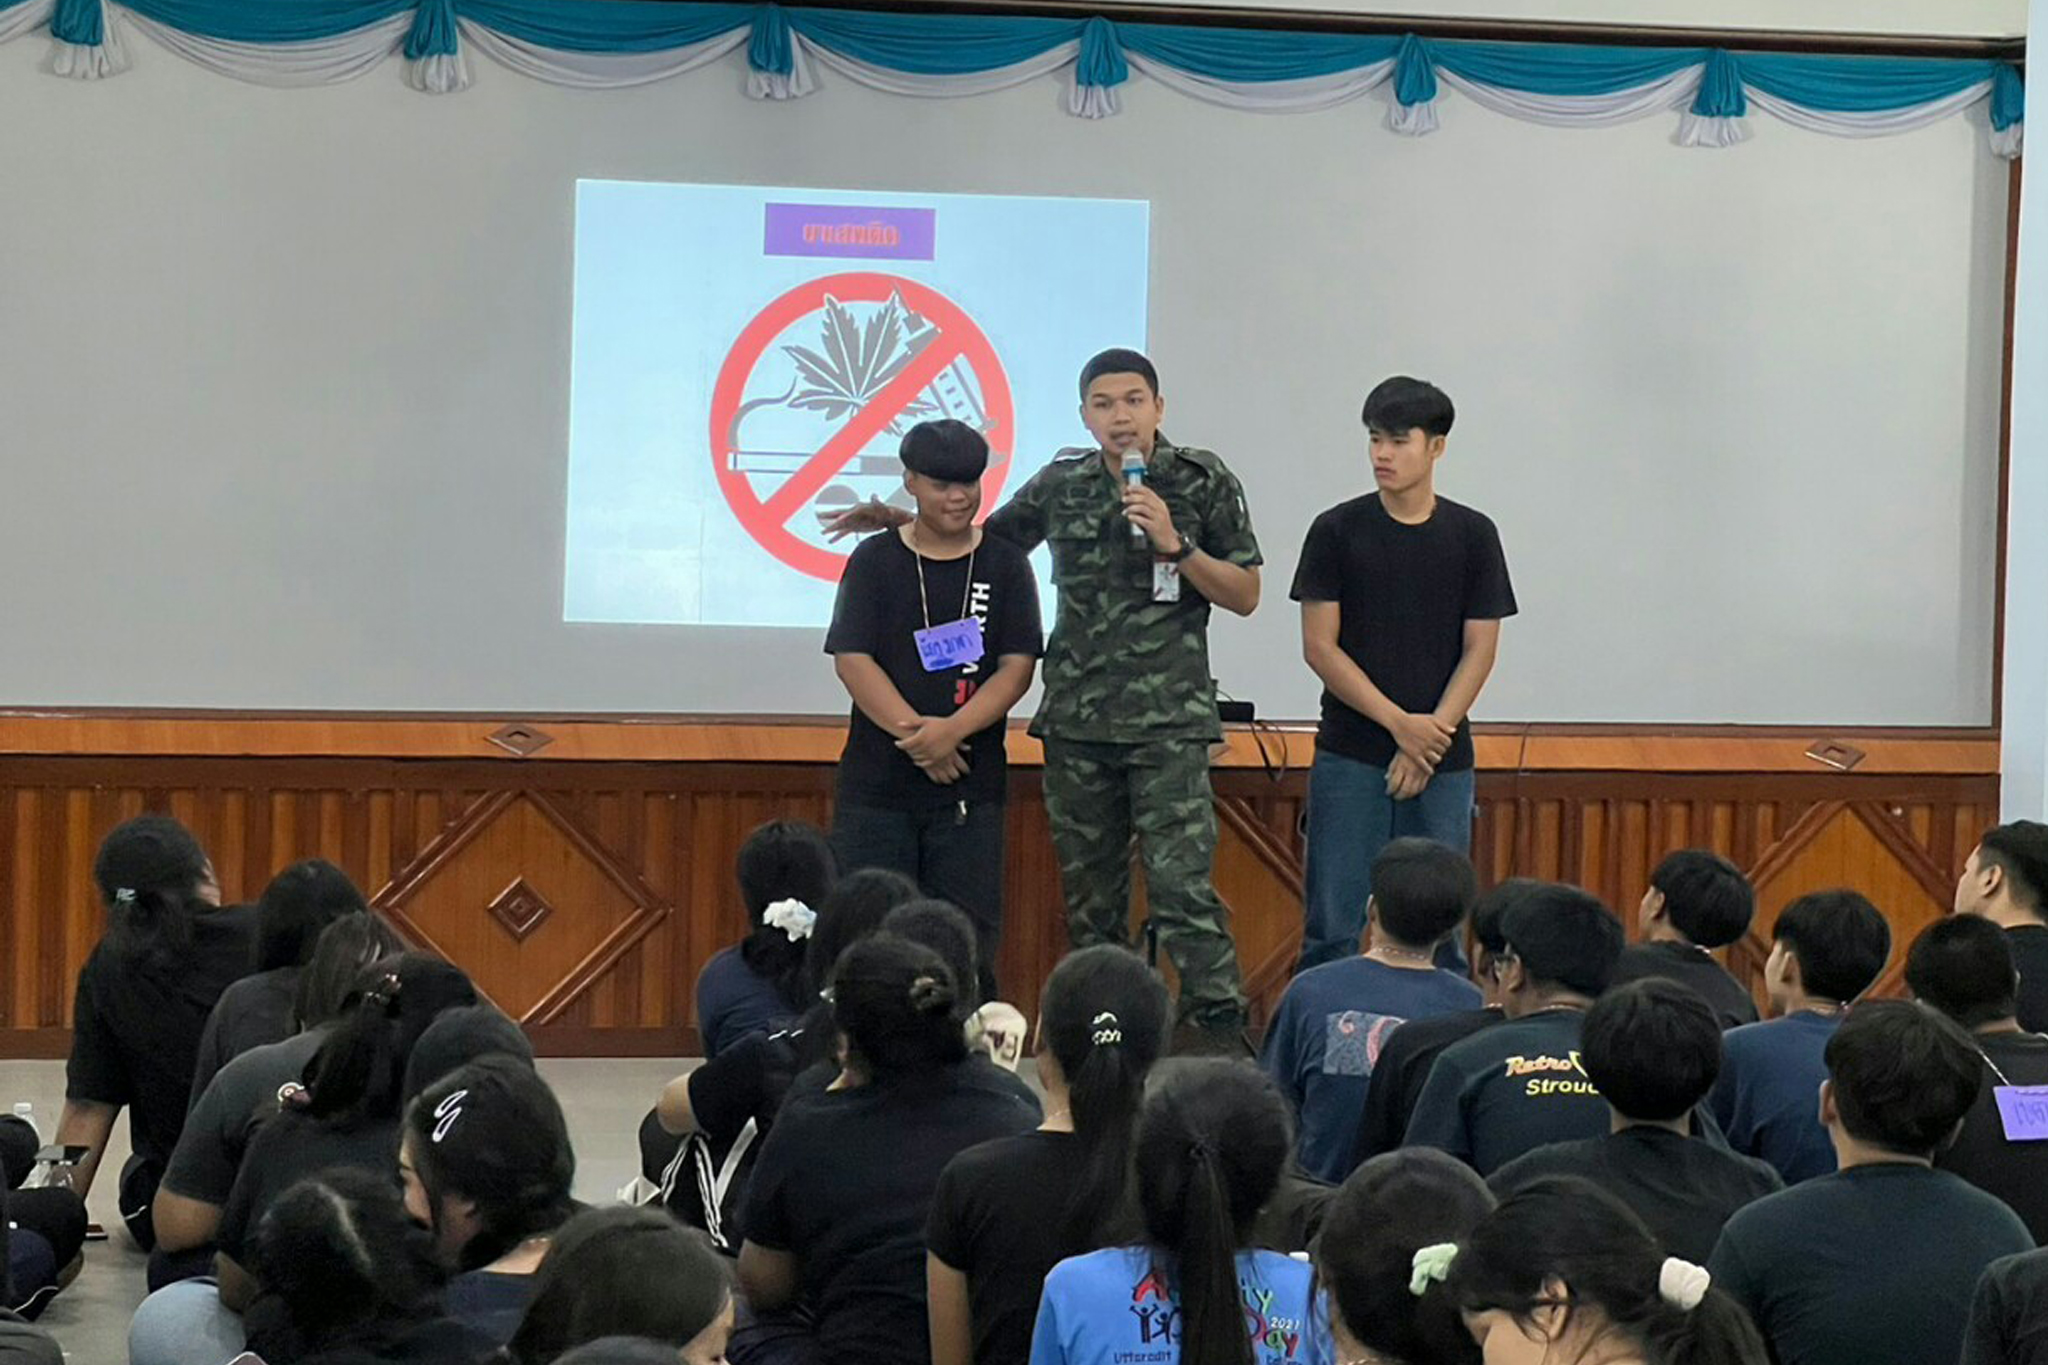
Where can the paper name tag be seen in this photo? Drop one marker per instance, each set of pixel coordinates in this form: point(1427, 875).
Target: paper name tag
point(2023, 1110)
point(1165, 581)
point(950, 645)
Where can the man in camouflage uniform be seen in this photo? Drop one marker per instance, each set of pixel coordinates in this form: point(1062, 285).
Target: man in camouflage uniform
point(1129, 710)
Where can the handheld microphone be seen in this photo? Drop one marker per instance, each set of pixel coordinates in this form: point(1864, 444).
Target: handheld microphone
point(1134, 477)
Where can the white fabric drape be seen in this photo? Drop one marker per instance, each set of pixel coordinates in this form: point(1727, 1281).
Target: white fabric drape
point(321, 61)
point(1874, 124)
point(1309, 93)
point(597, 70)
point(23, 18)
point(1675, 91)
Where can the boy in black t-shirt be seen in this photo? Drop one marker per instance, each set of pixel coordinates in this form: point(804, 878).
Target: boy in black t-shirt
point(935, 635)
point(1697, 902)
point(1402, 595)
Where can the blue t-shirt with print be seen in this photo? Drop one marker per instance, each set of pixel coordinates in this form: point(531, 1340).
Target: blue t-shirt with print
point(1326, 1037)
point(1119, 1307)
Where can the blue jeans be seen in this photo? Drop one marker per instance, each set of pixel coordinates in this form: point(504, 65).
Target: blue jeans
point(1350, 818)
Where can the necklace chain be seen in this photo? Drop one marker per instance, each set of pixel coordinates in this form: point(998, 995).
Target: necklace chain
point(924, 601)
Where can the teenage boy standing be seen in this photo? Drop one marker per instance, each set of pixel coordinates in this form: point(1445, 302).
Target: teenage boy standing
point(1402, 594)
point(935, 635)
point(1129, 710)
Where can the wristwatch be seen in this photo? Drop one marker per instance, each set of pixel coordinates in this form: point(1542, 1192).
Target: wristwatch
point(1187, 547)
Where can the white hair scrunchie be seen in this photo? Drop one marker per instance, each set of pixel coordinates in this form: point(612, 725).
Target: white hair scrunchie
point(124, 895)
point(792, 917)
point(1682, 1284)
point(1432, 1265)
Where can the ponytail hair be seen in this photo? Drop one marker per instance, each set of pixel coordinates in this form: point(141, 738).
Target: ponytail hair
point(783, 860)
point(896, 1003)
point(856, 907)
point(1389, 1209)
point(301, 901)
point(1103, 1019)
point(1568, 1232)
point(340, 955)
point(358, 1076)
point(1213, 1136)
point(150, 871)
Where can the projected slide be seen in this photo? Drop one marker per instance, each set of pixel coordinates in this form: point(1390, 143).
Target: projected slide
point(747, 359)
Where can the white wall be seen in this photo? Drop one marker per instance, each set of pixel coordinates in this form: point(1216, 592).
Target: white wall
point(2024, 715)
point(289, 382)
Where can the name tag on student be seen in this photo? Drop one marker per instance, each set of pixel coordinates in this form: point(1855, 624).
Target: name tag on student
point(1165, 581)
point(950, 645)
point(2023, 1110)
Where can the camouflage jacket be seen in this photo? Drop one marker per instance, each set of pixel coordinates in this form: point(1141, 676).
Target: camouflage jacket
point(1121, 668)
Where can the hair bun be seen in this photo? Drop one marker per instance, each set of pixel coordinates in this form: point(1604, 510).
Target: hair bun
point(931, 995)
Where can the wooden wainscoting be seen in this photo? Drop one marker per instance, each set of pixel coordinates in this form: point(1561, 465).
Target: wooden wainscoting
point(583, 893)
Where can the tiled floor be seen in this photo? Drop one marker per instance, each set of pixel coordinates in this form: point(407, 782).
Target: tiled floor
point(604, 1100)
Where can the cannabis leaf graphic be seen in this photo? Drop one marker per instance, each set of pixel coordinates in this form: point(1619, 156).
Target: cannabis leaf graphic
point(859, 360)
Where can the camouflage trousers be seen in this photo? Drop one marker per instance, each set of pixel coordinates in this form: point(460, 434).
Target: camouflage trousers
point(1097, 797)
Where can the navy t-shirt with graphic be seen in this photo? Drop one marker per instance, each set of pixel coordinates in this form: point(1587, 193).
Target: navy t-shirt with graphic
point(1120, 1307)
point(1508, 1090)
point(1326, 1037)
point(1767, 1097)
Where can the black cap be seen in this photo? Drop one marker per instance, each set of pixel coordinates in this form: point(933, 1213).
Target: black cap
point(949, 451)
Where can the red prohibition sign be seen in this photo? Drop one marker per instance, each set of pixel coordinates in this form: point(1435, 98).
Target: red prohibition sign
point(958, 338)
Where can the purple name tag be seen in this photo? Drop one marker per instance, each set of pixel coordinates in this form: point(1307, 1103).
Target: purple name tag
point(2023, 1109)
point(950, 645)
point(850, 230)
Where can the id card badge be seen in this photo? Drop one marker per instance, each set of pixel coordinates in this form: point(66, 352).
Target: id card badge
point(2022, 1111)
point(950, 645)
point(1165, 581)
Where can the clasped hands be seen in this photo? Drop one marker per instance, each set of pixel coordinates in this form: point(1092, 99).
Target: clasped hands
point(1422, 740)
point(933, 743)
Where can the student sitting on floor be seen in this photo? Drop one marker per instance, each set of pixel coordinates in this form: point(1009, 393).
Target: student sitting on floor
point(627, 1272)
point(1388, 1211)
point(1653, 1048)
point(1698, 902)
point(2005, 880)
point(1876, 1262)
point(785, 871)
point(1826, 950)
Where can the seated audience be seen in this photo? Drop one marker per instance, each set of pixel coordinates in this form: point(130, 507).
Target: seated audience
point(704, 1135)
point(1412, 1049)
point(629, 1351)
point(1562, 1271)
point(1963, 967)
point(785, 872)
point(1212, 1138)
point(1826, 950)
point(627, 1272)
point(1512, 1088)
point(347, 1115)
point(299, 903)
point(1698, 902)
point(350, 1279)
point(836, 1210)
point(1878, 1261)
point(244, 1092)
point(1334, 1019)
point(485, 1161)
point(1652, 1048)
point(2005, 881)
point(23, 1343)
point(1007, 1211)
point(944, 928)
point(142, 1003)
point(1388, 1210)
point(2009, 1313)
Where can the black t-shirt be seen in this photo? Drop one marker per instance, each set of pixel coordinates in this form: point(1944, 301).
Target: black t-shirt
point(1403, 595)
point(285, 1151)
point(1684, 1188)
point(489, 1302)
point(997, 1219)
point(1507, 1090)
point(2009, 1316)
point(253, 1011)
point(225, 1117)
point(2029, 943)
point(137, 1023)
point(845, 1182)
point(2016, 1172)
point(1872, 1264)
point(1400, 1073)
point(878, 613)
point(1689, 966)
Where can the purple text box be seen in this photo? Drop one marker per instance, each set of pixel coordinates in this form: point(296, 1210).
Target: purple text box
point(850, 230)
point(2023, 1110)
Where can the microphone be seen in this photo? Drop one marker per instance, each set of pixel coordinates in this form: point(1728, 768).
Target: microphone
point(1134, 477)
